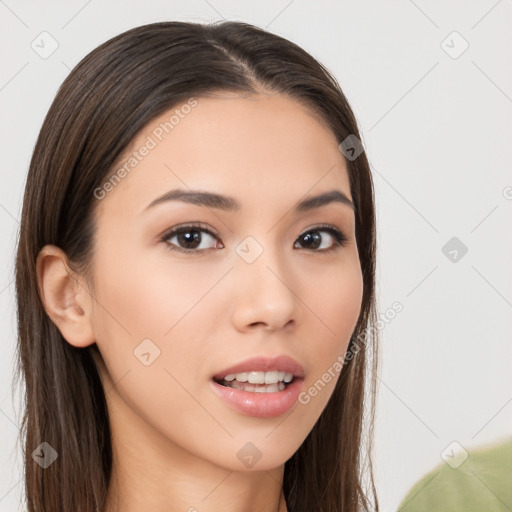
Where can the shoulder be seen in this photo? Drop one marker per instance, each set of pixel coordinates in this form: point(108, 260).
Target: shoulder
point(476, 480)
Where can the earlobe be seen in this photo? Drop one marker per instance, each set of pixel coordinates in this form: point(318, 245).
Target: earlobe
point(66, 301)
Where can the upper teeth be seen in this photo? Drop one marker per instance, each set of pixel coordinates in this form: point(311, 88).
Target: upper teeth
point(260, 377)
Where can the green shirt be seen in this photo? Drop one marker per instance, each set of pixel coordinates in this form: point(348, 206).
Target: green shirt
point(482, 482)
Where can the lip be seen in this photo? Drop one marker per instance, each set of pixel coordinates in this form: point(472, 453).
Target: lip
point(264, 364)
point(262, 405)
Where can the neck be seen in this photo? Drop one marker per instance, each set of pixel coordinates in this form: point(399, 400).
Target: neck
point(152, 473)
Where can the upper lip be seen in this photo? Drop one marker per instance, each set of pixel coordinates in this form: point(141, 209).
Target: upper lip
point(264, 364)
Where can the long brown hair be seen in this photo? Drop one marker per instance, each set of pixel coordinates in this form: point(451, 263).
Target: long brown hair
point(103, 103)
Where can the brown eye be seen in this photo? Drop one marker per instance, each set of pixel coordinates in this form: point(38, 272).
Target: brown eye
point(314, 240)
point(191, 239)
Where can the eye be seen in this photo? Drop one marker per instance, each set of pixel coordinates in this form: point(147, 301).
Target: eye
point(312, 239)
point(191, 238)
point(195, 238)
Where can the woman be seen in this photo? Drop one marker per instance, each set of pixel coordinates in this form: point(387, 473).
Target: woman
point(195, 281)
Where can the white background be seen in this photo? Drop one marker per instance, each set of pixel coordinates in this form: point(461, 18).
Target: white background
point(437, 130)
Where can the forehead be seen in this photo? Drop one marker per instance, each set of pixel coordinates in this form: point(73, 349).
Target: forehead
point(262, 148)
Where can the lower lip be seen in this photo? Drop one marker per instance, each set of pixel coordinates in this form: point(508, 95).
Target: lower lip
point(261, 405)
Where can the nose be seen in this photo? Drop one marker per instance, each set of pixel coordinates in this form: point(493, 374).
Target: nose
point(265, 297)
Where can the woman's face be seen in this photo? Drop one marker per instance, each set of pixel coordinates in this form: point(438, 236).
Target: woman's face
point(263, 280)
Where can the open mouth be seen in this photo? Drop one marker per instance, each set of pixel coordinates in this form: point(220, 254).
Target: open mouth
point(261, 387)
point(258, 382)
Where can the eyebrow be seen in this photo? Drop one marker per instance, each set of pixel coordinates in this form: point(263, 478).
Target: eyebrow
point(226, 203)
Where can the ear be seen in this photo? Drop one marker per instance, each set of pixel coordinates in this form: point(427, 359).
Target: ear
point(65, 297)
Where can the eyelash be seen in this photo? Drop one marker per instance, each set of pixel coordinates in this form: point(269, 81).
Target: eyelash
point(340, 239)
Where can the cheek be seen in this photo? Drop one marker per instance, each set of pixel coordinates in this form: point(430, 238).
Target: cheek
point(153, 331)
point(156, 326)
point(334, 297)
point(145, 291)
point(179, 308)
point(162, 302)
point(334, 302)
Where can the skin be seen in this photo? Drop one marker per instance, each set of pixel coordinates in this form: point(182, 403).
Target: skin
point(175, 442)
